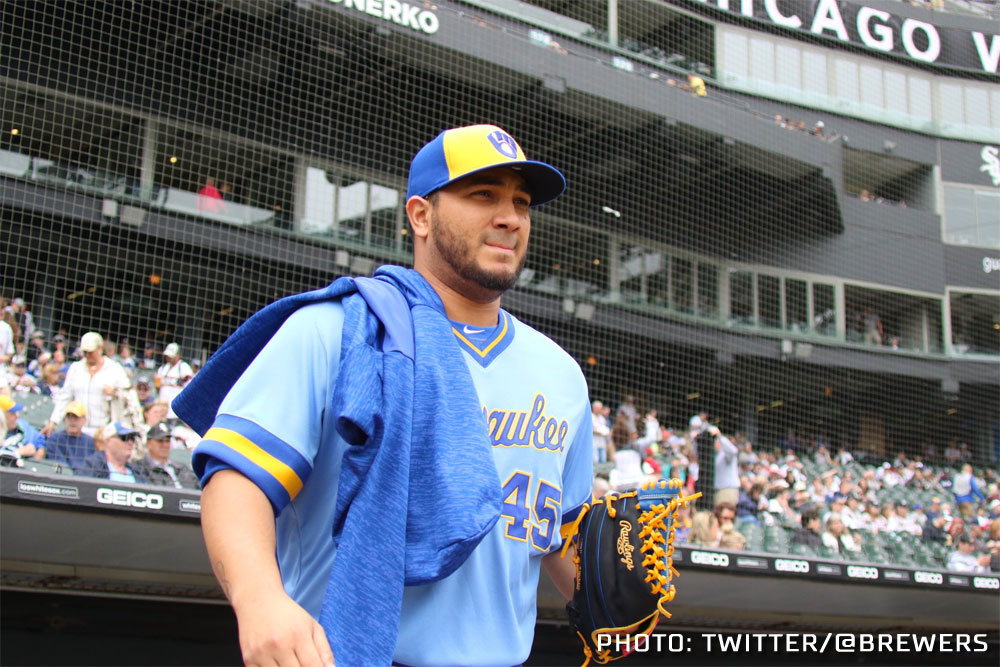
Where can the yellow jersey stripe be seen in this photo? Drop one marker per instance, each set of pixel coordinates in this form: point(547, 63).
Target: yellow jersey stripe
point(278, 469)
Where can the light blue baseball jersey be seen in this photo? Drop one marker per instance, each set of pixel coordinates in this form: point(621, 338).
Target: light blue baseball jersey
point(271, 427)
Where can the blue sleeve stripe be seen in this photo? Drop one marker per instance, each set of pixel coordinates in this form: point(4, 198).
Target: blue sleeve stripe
point(569, 516)
point(267, 442)
point(212, 455)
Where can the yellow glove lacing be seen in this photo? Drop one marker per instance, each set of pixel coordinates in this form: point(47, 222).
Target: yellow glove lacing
point(658, 550)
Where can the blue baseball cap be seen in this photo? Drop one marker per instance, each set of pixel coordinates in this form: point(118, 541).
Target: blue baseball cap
point(118, 429)
point(461, 151)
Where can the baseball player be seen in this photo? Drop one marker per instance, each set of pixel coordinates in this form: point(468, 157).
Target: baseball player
point(274, 461)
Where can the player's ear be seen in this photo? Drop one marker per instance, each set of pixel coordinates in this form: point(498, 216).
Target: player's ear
point(418, 210)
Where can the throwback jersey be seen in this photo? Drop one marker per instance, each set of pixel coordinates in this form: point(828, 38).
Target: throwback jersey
point(535, 400)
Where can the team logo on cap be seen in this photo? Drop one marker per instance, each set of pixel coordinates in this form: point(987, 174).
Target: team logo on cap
point(504, 143)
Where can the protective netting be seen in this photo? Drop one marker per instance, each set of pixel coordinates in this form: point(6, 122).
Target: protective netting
point(741, 239)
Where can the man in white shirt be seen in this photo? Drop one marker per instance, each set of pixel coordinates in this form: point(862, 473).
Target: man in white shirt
point(101, 385)
point(172, 376)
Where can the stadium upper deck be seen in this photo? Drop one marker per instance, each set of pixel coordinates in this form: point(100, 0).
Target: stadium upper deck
point(702, 236)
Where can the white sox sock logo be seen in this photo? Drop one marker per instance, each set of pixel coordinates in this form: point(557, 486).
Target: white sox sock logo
point(991, 158)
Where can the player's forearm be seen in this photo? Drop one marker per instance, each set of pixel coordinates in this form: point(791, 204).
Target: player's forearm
point(562, 571)
point(238, 525)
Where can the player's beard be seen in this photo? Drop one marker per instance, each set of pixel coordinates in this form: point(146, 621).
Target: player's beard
point(460, 255)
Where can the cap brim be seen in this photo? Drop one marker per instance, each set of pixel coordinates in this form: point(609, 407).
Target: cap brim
point(544, 181)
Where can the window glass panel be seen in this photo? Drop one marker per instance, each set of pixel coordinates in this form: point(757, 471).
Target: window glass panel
point(952, 106)
point(351, 211)
point(320, 197)
point(659, 284)
point(824, 315)
point(384, 203)
point(762, 60)
point(988, 218)
point(741, 292)
point(974, 327)
point(566, 260)
point(788, 66)
point(872, 91)
point(814, 72)
point(735, 50)
point(895, 91)
point(682, 284)
point(977, 106)
point(770, 301)
point(796, 313)
point(708, 290)
point(920, 97)
point(847, 81)
point(959, 215)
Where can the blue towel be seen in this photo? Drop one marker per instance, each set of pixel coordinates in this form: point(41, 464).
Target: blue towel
point(409, 512)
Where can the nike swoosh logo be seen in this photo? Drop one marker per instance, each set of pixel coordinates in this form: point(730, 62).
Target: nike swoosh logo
point(467, 330)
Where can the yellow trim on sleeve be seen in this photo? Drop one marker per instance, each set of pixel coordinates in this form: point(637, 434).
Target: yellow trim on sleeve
point(278, 469)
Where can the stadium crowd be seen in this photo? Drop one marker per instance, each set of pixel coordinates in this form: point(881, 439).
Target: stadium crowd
point(802, 498)
point(95, 409)
point(92, 409)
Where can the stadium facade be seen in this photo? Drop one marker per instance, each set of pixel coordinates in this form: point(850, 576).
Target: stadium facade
point(705, 248)
point(752, 186)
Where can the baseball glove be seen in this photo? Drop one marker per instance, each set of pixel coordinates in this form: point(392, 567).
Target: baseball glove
point(624, 566)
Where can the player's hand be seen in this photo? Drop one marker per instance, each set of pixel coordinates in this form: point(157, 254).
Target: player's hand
point(277, 631)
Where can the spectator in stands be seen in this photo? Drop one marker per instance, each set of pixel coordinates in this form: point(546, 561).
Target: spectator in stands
point(963, 558)
point(157, 467)
point(934, 530)
point(71, 445)
point(49, 383)
point(20, 380)
point(836, 538)
point(730, 538)
point(952, 453)
point(144, 390)
point(23, 318)
point(126, 359)
point(602, 430)
point(173, 376)
point(851, 513)
point(906, 521)
point(704, 530)
point(818, 129)
point(113, 463)
point(727, 470)
point(697, 85)
point(148, 360)
point(101, 384)
point(682, 523)
point(36, 346)
point(37, 365)
point(209, 198)
point(964, 487)
point(779, 507)
point(7, 347)
point(872, 326)
point(750, 503)
point(21, 439)
point(627, 473)
point(808, 532)
point(153, 413)
point(651, 432)
point(627, 408)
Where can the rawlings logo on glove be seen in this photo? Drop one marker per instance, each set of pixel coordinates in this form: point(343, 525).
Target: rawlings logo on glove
point(614, 597)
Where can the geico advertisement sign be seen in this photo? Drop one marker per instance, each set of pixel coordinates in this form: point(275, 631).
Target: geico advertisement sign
point(709, 558)
point(123, 498)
